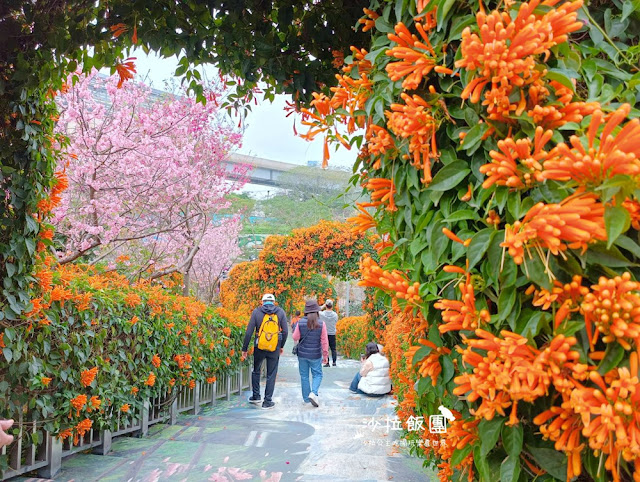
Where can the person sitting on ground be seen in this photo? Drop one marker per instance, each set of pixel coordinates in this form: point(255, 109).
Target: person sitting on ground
point(294, 321)
point(373, 379)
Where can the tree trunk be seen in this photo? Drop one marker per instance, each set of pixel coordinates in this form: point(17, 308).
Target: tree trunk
point(187, 282)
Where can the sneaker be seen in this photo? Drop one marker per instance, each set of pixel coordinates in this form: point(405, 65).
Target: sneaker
point(254, 400)
point(334, 363)
point(326, 365)
point(267, 405)
point(353, 391)
point(313, 398)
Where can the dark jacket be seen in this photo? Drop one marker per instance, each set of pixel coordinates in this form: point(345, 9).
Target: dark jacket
point(310, 345)
point(256, 321)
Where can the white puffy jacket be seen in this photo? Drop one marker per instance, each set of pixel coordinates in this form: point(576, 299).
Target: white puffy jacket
point(377, 381)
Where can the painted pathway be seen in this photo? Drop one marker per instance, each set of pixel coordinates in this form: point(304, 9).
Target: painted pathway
point(237, 441)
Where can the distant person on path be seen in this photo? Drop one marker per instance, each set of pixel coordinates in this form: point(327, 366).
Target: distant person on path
point(269, 323)
point(330, 319)
point(373, 379)
point(313, 348)
point(294, 321)
point(5, 438)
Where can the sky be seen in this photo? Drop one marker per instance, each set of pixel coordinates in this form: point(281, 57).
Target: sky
point(268, 133)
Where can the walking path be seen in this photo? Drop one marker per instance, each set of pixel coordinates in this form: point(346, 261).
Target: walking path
point(292, 442)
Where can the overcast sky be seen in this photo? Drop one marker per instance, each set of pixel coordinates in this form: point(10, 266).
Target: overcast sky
point(268, 133)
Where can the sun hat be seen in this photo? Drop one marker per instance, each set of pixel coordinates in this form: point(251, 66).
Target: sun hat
point(268, 298)
point(311, 306)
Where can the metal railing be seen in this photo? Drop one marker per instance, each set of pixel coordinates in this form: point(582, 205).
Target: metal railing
point(46, 456)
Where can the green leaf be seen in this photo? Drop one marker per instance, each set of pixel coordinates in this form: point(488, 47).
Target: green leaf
point(8, 353)
point(479, 245)
point(510, 469)
point(533, 323)
point(448, 369)
point(489, 431)
point(506, 301)
point(420, 354)
point(512, 439)
point(563, 76)
point(462, 216)
point(482, 464)
point(616, 221)
point(554, 462)
point(443, 9)
point(612, 358)
point(449, 176)
point(474, 136)
point(460, 454)
point(383, 26)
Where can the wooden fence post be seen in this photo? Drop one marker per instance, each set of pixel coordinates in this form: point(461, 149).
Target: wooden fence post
point(196, 399)
point(105, 448)
point(54, 457)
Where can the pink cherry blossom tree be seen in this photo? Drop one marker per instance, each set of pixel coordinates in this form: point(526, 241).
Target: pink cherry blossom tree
point(146, 175)
point(218, 250)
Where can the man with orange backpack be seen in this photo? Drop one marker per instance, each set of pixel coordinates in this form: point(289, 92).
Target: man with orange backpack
point(269, 323)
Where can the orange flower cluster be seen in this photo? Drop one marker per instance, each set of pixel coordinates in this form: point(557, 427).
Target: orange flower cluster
point(429, 366)
point(379, 141)
point(558, 113)
point(81, 429)
point(382, 191)
point(368, 23)
point(363, 221)
point(575, 222)
point(462, 315)
point(394, 281)
point(78, 403)
point(125, 70)
point(87, 376)
point(414, 121)
point(633, 207)
point(151, 380)
point(132, 300)
point(505, 50)
point(516, 166)
point(599, 161)
point(613, 305)
point(45, 206)
point(94, 403)
point(513, 371)
point(125, 408)
point(459, 434)
point(417, 56)
point(155, 361)
point(606, 415)
point(45, 381)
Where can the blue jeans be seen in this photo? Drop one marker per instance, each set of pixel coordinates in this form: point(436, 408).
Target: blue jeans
point(354, 387)
point(304, 365)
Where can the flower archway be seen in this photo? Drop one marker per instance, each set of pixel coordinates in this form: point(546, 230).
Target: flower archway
point(294, 267)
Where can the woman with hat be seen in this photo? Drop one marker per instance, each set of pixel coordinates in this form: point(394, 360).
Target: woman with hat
point(373, 379)
point(313, 349)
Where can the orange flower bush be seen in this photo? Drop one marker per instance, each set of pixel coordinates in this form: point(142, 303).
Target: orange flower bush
point(288, 267)
point(353, 334)
point(502, 187)
point(85, 378)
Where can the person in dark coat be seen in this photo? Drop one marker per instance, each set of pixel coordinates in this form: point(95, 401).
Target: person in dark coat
point(313, 348)
point(273, 357)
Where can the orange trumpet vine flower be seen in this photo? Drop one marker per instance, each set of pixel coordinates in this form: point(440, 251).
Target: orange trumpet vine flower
point(417, 56)
point(575, 222)
point(516, 166)
point(613, 306)
point(609, 156)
